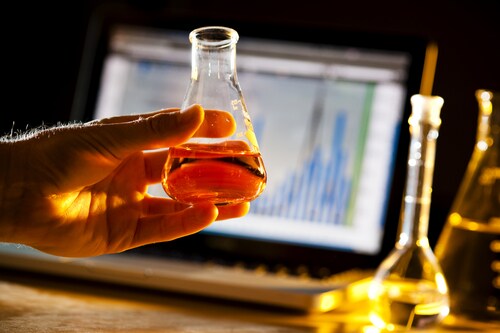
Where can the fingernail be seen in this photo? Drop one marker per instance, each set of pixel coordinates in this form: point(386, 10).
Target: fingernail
point(190, 113)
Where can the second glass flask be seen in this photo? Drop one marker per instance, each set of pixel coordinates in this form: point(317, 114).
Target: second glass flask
point(468, 248)
point(222, 170)
point(409, 290)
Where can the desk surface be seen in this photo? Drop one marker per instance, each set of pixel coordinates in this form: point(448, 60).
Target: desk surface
point(36, 303)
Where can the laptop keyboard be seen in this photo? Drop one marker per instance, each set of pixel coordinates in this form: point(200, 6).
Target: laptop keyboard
point(303, 271)
point(299, 287)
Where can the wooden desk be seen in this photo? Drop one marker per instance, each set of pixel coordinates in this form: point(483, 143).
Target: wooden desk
point(44, 304)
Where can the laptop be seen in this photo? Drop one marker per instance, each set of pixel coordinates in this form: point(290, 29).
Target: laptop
point(330, 114)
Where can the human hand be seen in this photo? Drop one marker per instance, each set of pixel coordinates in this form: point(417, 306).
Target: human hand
point(81, 190)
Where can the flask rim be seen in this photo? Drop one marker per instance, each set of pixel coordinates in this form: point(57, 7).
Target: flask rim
point(486, 94)
point(484, 98)
point(214, 36)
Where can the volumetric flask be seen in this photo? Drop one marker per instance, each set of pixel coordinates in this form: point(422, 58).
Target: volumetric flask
point(408, 290)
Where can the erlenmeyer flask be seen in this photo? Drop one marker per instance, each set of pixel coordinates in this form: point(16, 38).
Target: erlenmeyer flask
point(220, 170)
point(469, 245)
point(408, 289)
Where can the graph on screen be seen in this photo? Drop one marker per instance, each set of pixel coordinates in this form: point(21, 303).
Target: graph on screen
point(318, 186)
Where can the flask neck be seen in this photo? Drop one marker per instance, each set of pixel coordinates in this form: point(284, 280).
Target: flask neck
point(424, 130)
point(213, 70)
point(477, 203)
point(213, 55)
point(488, 128)
point(214, 84)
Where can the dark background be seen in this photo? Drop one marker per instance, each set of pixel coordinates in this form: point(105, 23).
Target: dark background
point(44, 42)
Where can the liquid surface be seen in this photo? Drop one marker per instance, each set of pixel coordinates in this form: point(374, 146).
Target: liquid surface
point(405, 304)
point(219, 173)
point(469, 255)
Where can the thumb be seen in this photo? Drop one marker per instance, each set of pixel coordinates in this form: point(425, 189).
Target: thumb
point(158, 130)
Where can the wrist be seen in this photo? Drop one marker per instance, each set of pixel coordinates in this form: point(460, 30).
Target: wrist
point(11, 187)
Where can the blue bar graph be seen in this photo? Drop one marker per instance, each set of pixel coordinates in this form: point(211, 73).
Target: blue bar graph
point(316, 191)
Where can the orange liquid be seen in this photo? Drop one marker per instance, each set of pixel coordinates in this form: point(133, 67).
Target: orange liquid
point(220, 173)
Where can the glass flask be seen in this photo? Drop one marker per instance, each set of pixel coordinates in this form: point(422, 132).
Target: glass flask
point(222, 170)
point(469, 245)
point(408, 289)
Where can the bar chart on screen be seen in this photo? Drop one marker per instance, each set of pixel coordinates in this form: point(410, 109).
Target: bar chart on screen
point(314, 137)
point(318, 190)
point(320, 184)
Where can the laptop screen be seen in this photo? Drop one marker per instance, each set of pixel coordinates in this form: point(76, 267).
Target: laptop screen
point(330, 120)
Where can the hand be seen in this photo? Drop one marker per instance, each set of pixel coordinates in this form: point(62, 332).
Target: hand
point(81, 190)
